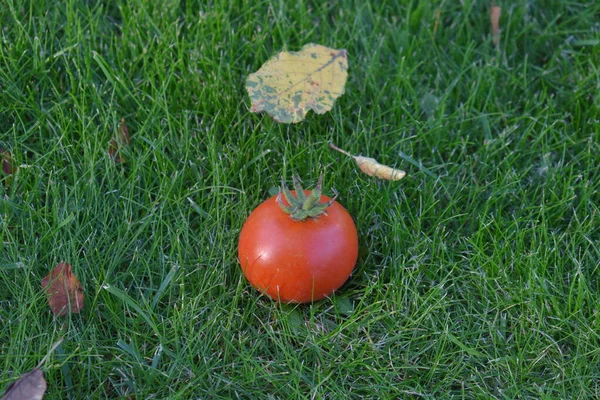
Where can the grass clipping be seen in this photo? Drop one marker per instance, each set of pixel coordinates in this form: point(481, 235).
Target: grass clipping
point(291, 83)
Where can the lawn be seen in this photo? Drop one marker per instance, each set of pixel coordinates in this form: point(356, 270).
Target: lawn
point(478, 274)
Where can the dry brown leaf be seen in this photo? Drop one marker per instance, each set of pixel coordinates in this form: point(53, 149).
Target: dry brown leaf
point(7, 166)
point(118, 142)
point(371, 167)
point(438, 14)
point(495, 13)
point(30, 386)
point(63, 290)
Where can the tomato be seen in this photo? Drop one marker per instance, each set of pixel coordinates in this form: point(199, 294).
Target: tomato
point(298, 261)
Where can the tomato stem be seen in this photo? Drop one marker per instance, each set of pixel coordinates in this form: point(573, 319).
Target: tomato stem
point(302, 206)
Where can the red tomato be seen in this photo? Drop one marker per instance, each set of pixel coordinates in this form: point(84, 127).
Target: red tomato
point(297, 261)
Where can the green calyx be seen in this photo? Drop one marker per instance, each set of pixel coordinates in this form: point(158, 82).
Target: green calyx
point(302, 206)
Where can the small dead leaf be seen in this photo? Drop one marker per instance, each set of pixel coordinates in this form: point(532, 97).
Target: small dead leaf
point(291, 83)
point(7, 166)
point(30, 386)
point(495, 13)
point(120, 140)
point(438, 14)
point(371, 167)
point(63, 290)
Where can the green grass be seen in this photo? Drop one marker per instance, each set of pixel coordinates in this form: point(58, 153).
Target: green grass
point(478, 274)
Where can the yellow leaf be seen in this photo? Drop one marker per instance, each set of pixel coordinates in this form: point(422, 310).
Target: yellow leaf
point(371, 167)
point(291, 83)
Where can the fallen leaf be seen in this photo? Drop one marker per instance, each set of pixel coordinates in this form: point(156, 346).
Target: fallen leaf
point(118, 142)
point(371, 167)
point(495, 13)
point(7, 166)
point(438, 14)
point(63, 290)
point(291, 83)
point(30, 386)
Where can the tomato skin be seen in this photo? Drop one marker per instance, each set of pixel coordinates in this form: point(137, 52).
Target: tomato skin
point(297, 261)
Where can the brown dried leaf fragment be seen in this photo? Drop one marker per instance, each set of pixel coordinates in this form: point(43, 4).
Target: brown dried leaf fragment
point(437, 14)
point(30, 386)
point(120, 140)
point(372, 167)
point(7, 166)
point(63, 290)
point(495, 13)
